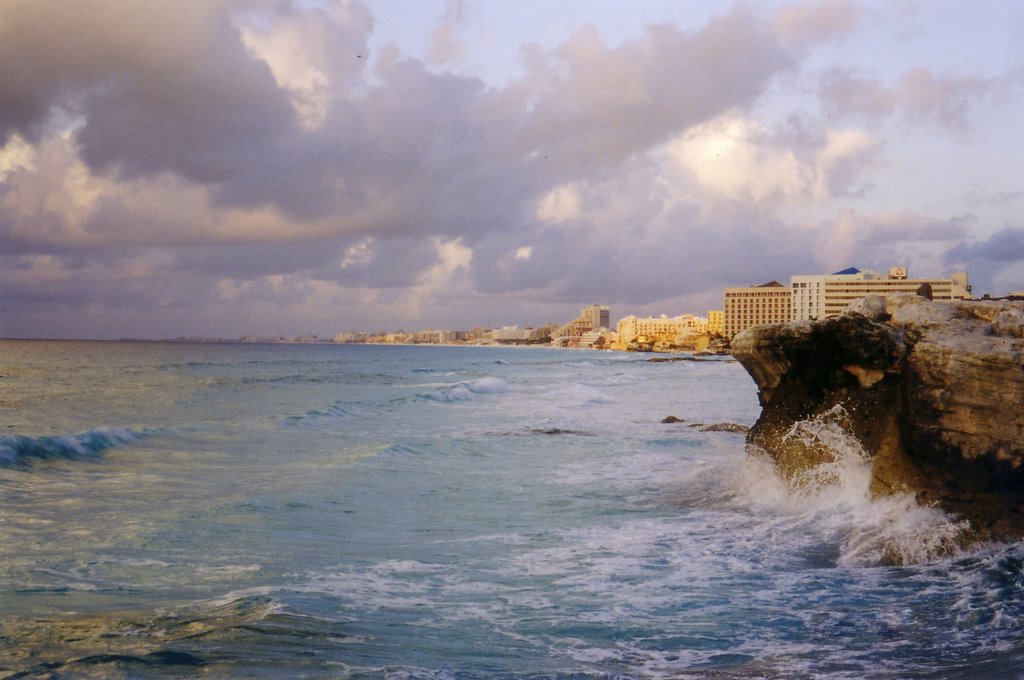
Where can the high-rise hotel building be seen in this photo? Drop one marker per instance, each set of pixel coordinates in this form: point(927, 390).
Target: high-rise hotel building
point(754, 305)
point(821, 296)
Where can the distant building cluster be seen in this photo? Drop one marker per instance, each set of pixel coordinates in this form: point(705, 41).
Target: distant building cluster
point(586, 330)
point(477, 336)
point(808, 297)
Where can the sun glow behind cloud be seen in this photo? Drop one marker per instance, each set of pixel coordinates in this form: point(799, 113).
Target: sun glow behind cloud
point(740, 158)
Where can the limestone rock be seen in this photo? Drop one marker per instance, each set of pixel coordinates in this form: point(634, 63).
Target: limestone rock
point(872, 306)
point(724, 427)
point(933, 391)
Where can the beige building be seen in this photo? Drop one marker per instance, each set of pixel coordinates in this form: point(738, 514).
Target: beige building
point(754, 305)
point(517, 334)
point(658, 328)
point(716, 322)
point(821, 296)
point(434, 337)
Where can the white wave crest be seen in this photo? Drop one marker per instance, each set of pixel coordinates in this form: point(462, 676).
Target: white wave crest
point(464, 391)
point(835, 497)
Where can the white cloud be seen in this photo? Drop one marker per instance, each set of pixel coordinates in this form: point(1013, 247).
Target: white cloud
point(17, 154)
point(739, 158)
point(49, 193)
point(454, 256)
point(733, 156)
point(560, 205)
point(309, 53)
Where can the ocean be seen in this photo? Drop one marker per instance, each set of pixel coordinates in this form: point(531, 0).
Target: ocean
point(348, 511)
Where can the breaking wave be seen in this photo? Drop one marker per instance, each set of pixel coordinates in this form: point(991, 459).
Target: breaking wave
point(18, 451)
point(464, 391)
point(836, 497)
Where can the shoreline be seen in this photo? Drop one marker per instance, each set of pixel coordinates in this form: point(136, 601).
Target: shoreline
point(228, 341)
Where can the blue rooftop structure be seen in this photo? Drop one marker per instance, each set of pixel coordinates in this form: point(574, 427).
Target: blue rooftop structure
point(848, 270)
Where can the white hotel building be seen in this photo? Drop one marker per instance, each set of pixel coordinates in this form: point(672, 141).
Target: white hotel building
point(820, 296)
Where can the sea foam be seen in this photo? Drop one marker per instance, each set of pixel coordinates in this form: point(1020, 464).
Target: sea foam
point(464, 391)
point(835, 496)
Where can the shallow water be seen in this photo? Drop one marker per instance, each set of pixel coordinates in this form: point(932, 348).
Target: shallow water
point(174, 510)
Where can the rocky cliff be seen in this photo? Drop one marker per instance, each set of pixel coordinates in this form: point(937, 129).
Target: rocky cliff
point(933, 391)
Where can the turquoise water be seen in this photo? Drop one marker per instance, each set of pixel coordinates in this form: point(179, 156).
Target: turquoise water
point(175, 510)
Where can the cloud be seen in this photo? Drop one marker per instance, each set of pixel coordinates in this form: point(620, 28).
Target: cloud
point(880, 240)
point(595, 104)
point(560, 205)
point(46, 195)
point(738, 157)
point(920, 95)
point(639, 239)
point(997, 261)
point(312, 54)
point(445, 42)
point(57, 204)
point(16, 154)
point(119, 281)
point(157, 88)
point(401, 262)
point(192, 91)
point(275, 108)
point(807, 23)
point(1006, 245)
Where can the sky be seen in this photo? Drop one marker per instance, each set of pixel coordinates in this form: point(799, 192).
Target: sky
point(286, 167)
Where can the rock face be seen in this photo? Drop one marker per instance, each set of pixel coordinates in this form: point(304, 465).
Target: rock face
point(933, 391)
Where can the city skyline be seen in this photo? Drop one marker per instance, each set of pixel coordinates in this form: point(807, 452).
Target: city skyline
point(833, 297)
point(268, 168)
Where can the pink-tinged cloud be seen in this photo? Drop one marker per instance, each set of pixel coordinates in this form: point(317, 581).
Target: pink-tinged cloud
point(921, 95)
